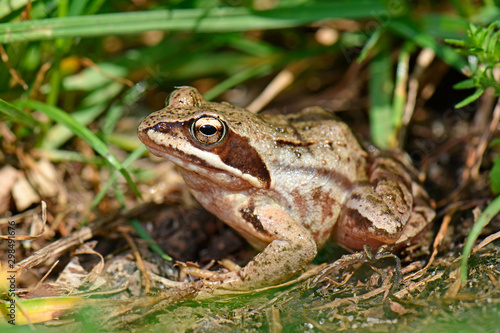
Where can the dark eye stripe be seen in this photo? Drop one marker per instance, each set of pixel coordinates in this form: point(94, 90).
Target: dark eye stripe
point(161, 127)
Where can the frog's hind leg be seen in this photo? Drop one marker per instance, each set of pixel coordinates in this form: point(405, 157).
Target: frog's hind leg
point(422, 214)
point(376, 212)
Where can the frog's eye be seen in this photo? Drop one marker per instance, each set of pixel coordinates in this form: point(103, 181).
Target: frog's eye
point(208, 130)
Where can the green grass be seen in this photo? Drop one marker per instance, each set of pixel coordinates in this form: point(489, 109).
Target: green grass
point(58, 32)
point(78, 86)
point(203, 20)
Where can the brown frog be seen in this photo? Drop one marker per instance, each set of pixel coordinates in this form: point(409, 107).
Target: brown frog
point(287, 183)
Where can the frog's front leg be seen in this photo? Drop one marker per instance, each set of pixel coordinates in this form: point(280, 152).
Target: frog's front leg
point(291, 248)
point(376, 212)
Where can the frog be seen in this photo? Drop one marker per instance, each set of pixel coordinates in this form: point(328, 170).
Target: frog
point(287, 183)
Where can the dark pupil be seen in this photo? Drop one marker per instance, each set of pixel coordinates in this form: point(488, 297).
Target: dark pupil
point(208, 130)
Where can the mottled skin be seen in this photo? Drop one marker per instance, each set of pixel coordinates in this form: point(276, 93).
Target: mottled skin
point(286, 183)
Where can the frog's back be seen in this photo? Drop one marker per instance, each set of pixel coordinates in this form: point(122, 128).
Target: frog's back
point(315, 161)
point(315, 141)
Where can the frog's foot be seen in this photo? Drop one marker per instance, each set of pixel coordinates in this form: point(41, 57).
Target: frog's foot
point(217, 279)
point(384, 252)
point(269, 267)
point(189, 269)
point(226, 278)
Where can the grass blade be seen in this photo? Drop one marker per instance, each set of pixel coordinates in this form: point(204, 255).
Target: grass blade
point(12, 112)
point(490, 211)
point(83, 132)
point(408, 30)
point(381, 87)
point(39, 310)
point(220, 19)
point(7, 7)
point(139, 151)
point(470, 98)
point(144, 235)
point(401, 84)
point(236, 79)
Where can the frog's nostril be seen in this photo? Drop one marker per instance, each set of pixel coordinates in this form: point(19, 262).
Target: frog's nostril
point(161, 127)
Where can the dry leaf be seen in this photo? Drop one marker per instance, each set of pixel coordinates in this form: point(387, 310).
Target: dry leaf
point(45, 179)
point(8, 175)
point(24, 194)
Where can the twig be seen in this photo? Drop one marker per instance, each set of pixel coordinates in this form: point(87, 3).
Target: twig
point(40, 75)
point(483, 142)
point(17, 78)
point(78, 237)
point(53, 249)
point(89, 63)
point(24, 237)
point(424, 59)
point(274, 320)
point(138, 259)
point(486, 241)
point(46, 275)
point(475, 151)
point(277, 85)
point(435, 246)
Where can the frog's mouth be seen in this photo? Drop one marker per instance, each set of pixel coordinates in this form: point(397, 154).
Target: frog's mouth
point(177, 156)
